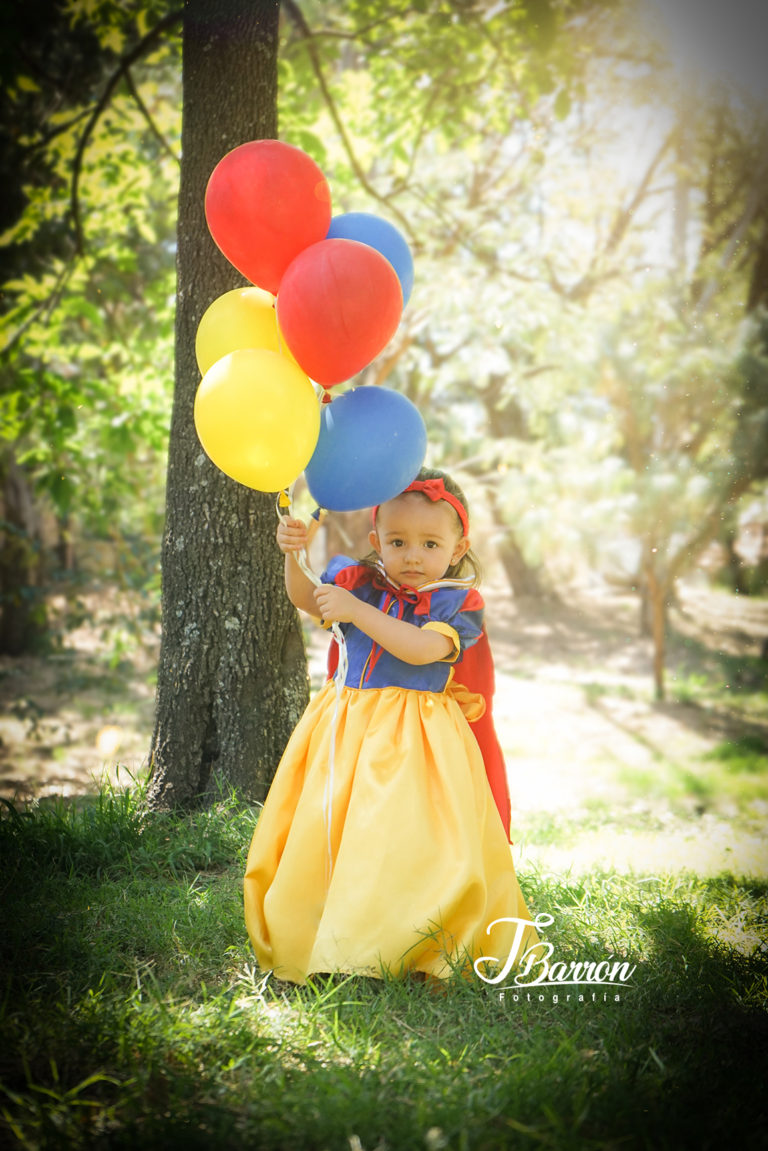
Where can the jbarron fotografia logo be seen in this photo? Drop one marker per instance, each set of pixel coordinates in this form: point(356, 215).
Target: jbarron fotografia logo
point(537, 968)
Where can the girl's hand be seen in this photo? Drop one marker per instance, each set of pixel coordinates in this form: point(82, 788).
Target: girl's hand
point(291, 535)
point(335, 604)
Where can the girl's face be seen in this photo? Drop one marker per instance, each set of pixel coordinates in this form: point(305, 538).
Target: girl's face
point(417, 539)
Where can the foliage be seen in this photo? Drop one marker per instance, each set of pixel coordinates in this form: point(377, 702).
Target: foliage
point(88, 248)
point(86, 366)
point(590, 238)
point(132, 1011)
point(543, 244)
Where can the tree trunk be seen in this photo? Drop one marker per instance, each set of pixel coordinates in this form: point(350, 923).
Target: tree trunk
point(232, 678)
point(657, 594)
point(682, 193)
point(23, 616)
point(644, 612)
point(523, 579)
point(737, 569)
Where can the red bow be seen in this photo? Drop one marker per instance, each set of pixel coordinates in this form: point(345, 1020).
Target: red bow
point(435, 490)
point(401, 596)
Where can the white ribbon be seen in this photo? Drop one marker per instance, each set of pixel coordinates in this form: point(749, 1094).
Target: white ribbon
point(340, 678)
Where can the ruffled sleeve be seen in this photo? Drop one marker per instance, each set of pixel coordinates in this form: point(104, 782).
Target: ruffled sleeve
point(346, 572)
point(351, 574)
point(457, 614)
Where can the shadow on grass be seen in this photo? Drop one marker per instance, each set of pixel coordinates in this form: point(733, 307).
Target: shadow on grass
point(697, 662)
point(704, 1020)
point(132, 1014)
point(582, 633)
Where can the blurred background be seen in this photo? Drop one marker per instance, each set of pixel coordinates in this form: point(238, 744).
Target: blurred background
point(584, 186)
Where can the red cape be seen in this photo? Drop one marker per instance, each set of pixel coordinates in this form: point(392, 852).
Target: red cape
point(475, 672)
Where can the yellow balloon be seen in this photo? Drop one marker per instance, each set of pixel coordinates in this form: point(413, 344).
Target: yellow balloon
point(242, 318)
point(258, 418)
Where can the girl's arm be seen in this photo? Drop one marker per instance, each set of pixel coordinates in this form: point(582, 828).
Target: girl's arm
point(401, 639)
point(291, 539)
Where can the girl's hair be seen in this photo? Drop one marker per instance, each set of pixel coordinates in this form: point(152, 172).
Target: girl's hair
point(468, 566)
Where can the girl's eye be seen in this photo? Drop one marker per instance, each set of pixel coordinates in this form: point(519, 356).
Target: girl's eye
point(431, 544)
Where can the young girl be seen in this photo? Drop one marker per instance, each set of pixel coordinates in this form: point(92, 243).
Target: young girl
point(380, 848)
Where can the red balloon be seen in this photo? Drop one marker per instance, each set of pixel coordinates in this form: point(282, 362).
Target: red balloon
point(338, 306)
point(265, 202)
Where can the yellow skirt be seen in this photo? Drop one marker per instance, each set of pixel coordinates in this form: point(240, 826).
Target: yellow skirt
point(383, 853)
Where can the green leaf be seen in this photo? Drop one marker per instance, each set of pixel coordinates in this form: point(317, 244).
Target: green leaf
point(562, 105)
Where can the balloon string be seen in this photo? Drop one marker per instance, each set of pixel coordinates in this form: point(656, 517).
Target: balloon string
point(285, 507)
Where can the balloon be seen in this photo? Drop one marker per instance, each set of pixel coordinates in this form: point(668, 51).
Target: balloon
point(258, 418)
point(382, 236)
point(242, 318)
point(265, 202)
point(371, 445)
point(339, 304)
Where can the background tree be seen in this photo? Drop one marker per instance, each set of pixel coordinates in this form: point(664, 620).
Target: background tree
point(436, 119)
point(683, 365)
point(87, 277)
point(232, 678)
point(63, 407)
point(584, 328)
point(230, 681)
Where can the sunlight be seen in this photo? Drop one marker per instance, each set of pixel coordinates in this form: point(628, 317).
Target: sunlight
point(109, 740)
point(708, 849)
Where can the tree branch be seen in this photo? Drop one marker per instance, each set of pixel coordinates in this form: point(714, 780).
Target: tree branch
point(149, 118)
point(135, 54)
point(583, 288)
point(707, 531)
point(297, 16)
point(45, 138)
point(48, 304)
point(754, 201)
point(357, 33)
point(624, 215)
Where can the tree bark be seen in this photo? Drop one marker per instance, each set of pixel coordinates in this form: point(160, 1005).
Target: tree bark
point(232, 679)
point(523, 580)
point(657, 595)
point(23, 614)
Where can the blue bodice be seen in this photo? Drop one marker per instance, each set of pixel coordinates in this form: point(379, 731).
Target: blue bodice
point(448, 606)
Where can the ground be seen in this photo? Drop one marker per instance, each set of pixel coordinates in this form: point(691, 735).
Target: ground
point(622, 779)
point(69, 717)
point(586, 741)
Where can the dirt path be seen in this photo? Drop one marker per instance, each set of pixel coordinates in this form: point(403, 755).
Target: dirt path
point(586, 742)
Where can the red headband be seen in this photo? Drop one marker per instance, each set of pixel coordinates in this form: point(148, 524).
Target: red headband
point(435, 490)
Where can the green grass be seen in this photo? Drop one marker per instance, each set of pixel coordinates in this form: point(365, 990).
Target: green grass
point(133, 1015)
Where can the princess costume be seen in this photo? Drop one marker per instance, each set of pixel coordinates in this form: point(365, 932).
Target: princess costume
point(380, 849)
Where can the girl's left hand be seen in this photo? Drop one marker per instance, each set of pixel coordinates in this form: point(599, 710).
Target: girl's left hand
point(335, 604)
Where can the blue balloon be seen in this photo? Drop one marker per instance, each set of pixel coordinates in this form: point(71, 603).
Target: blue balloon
point(382, 236)
point(372, 445)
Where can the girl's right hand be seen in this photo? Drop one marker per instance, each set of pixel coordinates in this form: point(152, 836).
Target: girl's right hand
point(291, 535)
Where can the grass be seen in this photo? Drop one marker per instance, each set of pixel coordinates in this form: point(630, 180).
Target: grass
point(133, 1015)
